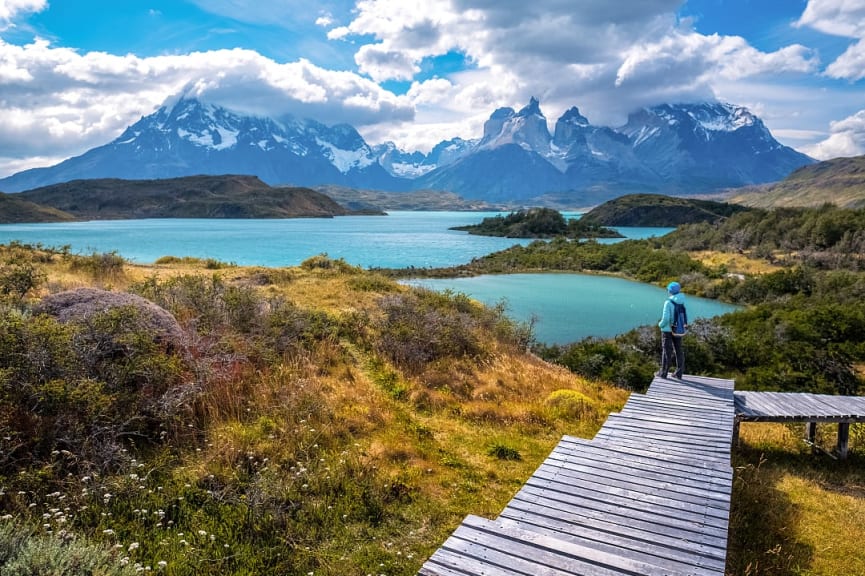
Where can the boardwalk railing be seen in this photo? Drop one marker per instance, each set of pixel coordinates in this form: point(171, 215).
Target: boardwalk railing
point(649, 495)
point(801, 407)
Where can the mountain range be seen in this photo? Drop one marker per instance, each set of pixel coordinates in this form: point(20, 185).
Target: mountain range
point(674, 149)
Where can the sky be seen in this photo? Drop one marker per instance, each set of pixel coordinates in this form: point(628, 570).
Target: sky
point(75, 73)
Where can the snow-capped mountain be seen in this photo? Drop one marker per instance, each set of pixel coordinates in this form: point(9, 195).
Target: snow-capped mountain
point(191, 137)
point(683, 148)
point(709, 146)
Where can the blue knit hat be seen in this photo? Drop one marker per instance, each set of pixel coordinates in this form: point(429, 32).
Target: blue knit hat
point(673, 287)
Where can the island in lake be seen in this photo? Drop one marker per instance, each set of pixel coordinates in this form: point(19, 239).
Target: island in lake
point(538, 223)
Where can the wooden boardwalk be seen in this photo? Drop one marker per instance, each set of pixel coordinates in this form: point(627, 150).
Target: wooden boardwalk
point(801, 407)
point(649, 495)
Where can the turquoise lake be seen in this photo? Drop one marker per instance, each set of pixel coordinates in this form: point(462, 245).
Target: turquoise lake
point(398, 240)
point(567, 307)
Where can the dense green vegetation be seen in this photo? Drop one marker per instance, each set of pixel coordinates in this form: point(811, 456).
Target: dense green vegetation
point(659, 210)
point(827, 237)
point(538, 223)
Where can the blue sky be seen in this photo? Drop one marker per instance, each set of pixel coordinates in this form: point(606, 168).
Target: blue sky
point(75, 73)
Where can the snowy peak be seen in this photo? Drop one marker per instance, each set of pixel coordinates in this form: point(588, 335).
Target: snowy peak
point(211, 128)
point(705, 121)
point(526, 128)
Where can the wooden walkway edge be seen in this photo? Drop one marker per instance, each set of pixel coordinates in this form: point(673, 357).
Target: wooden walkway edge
point(649, 495)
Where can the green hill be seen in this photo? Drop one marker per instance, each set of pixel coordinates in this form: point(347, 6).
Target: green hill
point(840, 181)
point(228, 196)
point(659, 210)
point(14, 210)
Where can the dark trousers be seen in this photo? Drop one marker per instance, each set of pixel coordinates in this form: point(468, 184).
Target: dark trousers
point(671, 345)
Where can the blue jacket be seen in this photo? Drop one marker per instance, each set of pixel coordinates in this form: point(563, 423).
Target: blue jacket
point(667, 313)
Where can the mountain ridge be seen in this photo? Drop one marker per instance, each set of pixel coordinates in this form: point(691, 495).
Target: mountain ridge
point(675, 149)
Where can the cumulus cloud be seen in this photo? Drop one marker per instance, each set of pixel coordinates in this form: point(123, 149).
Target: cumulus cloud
point(11, 9)
point(845, 18)
point(57, 101)
point(696, 59)
point(836, 17)
point(846, 138)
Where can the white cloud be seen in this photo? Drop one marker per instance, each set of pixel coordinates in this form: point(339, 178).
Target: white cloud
point(846, 138)
point(845, 18)
point(850, 65)
point(606, 57)
point(11, 9)
point(836, 17)
point(57, 101)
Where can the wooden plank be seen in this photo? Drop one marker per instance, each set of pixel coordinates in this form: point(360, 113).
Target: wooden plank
point(664, 424)
point(559, 555)
point(693, 486)
point(592, 499)
point(593, 505)
point(655, 549)
point(636, 441)
point(616, 528)
point(668, 497)
point(633, 457)
point(713, 478)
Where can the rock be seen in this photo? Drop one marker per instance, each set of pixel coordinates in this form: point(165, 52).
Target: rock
point(82, 303)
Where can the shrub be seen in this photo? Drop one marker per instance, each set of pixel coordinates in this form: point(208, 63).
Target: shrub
point(324, 262)
point(100, 266)
point(422, 327)
point(570, 404)
point(81, 390)
point(504, 452)
point(24, 553)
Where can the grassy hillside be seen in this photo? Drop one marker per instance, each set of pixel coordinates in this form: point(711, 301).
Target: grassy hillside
point(188, 197)
point(310, 419)
point(14, 209)
point(658, 210)
point(325, 419)
point(840, 181)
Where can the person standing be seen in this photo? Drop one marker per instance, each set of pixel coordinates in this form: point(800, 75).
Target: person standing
point(672, 331)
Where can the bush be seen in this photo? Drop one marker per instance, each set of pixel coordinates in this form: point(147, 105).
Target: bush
point(81, 390)
point(422, 327)
point(24, 553)
point(571, 405)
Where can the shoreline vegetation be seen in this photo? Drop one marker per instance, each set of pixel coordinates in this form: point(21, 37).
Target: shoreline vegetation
point(538, 223)
point(326, 419)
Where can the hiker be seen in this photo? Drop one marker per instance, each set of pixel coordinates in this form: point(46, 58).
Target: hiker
point(674, 321)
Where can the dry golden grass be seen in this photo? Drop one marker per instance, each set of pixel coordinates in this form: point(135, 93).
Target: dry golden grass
point(796, 512)
point(735, 263)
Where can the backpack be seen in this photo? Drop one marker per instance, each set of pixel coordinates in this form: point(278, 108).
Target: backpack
point(679, 322)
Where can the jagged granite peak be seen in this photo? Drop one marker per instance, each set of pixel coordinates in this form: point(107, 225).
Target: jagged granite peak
point(526, 128)
point(533, 108)
point(570, 128)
